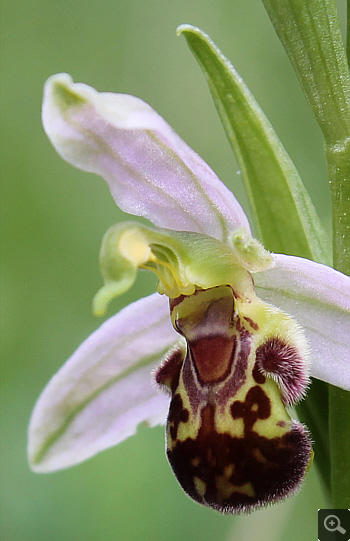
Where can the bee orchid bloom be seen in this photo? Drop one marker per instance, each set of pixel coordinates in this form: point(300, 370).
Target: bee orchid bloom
point(232, 335)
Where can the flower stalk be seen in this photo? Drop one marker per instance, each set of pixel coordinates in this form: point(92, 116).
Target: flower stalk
point(232, 357)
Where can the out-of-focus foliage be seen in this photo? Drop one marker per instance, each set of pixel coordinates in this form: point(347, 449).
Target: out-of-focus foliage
point(53, 218)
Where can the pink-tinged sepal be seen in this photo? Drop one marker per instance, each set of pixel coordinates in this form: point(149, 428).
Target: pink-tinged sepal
point(318, 298)
point(150, 170)
point(104, 391)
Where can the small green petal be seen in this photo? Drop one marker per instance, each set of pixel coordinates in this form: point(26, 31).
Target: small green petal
point(251, 252)
point(183, 261)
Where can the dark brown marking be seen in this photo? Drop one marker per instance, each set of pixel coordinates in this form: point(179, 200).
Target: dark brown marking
point(177, 414)
point(256, 406)
point(238, 377)
point(196, 394)
point(257, 374)
point(174, 302)
point(272, 467)
point(252, 323)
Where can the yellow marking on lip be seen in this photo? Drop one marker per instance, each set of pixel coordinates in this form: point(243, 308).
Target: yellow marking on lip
point(228, 470)
point(226, 489)
point(259, 456)
point(196, 461)
point(247, 489)
point(224, 423)
point(268, 428)
point(171, 444)
point(189, 429)
point(200, 486)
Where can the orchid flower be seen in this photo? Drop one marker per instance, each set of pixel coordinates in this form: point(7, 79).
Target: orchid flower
point(232, 335)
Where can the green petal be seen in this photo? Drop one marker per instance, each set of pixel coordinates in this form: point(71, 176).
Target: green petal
point(182, 260)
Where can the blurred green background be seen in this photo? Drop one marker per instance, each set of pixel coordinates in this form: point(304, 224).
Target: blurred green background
point(53, 219)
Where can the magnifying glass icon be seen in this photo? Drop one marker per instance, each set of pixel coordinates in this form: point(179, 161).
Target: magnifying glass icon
point(332, 524)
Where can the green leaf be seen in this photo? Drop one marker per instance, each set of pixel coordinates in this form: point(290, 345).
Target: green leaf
point(285, 216)
point(348, 33)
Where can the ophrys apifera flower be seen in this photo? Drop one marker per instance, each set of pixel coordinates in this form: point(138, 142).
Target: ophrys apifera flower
point(218, 338)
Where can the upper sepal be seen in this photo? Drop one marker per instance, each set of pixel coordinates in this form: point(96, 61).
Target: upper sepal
point(150, 170)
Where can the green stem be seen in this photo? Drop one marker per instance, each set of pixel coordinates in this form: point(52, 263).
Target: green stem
point(338, 161)
point(348, 31)
point(310, 32)
point(339, 432)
